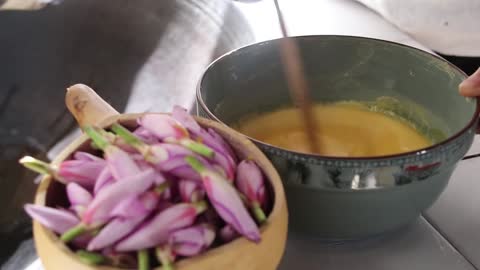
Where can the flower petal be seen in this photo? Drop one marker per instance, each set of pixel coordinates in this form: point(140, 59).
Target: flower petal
point(136, 205)
point(83, 172)
point(193, 240)
point(77, 195)
point(250, 182)
point(80, 155)
point(226, 201)
point(99, 210)
point(104, 179)
point(114, 231)
point(163, 126)
point(121, 164)
point(56, 220)
point(155, 232)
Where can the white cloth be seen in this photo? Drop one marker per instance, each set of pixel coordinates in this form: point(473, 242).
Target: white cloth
point(450, 27)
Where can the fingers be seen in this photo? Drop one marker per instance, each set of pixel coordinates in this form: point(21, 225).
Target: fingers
point(471, 86)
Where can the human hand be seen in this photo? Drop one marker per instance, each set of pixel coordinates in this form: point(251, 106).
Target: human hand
point(471, 86)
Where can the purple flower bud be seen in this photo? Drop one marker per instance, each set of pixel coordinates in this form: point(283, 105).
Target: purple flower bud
point(192, 241)
point(81, 171)
point(136, 205)
point(99, 210)
point(167, 129)
point(176, 165)
point(227, 164)
point(79, 155)
point(226, 147)
point(163, 126)
point(211, 138)
point(104, 179)
point(145, 135)
point(144, 165)
point(250, 182)
point(224, 155)
point(77, 195)
point(155, 232)
point(226, 201)
point(79, 198)
point(190, 191)
point(121, 164)
point(227, 233)
point(57, 220)
point(114, 231)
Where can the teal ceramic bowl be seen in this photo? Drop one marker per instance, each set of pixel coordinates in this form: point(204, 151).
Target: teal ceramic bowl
point(349, 198)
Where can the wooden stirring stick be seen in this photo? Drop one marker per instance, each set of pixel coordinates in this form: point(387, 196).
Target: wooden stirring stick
point(297, 83)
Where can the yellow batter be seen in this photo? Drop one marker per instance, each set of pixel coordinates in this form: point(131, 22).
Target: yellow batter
point(344, 129)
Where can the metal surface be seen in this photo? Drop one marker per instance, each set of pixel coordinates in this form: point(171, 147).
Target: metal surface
point(392, 190)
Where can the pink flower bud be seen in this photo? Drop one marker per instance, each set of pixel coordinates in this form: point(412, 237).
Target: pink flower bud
point(128, 215)
point(225, 146)
point(120, 163)
point(57, 220)
point(226, 201)
point(250, 182)
point(145, 135)
point(79, 198)
point(210, 138)
point(136, 205)
point(81, 171)
point(80, 155)
point(163, 126)
point(176, 165)
point(192, 241)
point(156, 231)
point(104, 179)
point(100, 209)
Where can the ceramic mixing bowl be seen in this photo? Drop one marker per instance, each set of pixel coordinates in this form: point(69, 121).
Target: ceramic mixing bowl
point(345, 198)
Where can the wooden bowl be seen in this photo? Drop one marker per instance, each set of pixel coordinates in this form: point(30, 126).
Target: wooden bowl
point(239, 254)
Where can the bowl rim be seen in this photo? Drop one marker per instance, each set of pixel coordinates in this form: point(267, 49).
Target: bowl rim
point(474, 121)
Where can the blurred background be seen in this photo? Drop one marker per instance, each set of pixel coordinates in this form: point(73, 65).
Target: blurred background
point(147, 55)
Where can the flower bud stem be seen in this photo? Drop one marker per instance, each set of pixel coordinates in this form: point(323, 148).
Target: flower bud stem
point(91, 258)
point(36, 165)
point(73, 233)
point(143, 260)
point(258, 213)
point(96, 136)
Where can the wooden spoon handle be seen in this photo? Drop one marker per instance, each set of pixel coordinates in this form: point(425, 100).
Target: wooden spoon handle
point(86, 106)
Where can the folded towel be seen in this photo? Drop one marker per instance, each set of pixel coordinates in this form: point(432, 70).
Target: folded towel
point(449, 27)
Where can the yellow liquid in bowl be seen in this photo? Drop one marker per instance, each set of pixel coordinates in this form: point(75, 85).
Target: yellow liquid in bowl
point(343, 130)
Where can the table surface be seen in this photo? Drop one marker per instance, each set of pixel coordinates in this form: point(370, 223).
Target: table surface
point(445, 237)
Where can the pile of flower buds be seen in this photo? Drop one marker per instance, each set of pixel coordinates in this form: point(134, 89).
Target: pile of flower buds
point(169, 189)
